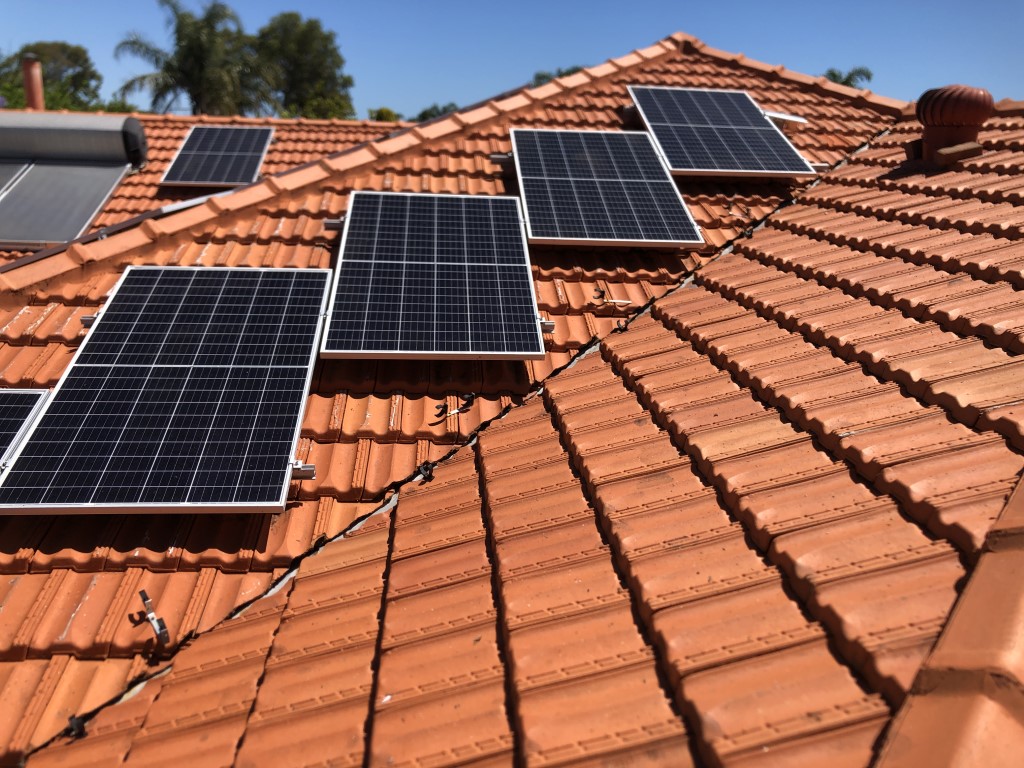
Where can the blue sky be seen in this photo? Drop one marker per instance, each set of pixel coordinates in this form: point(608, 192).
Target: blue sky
point(407, 54)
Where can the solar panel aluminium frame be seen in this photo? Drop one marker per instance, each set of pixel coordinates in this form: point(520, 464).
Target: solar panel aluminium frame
point(175, 508)
point(209, 184)
point(611, 242)
point(437, 355)
point(42, 396)
point(810, 172)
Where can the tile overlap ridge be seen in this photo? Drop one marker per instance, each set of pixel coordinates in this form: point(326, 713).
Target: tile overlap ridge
point(151, 229)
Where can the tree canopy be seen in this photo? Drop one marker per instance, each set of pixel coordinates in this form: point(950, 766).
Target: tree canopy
point(436, 110)
point(383, 114)
point(304, 66)
point(213, 64)
point(852, 78)
point(70, 79)
point(291, 67)
point(541, 77)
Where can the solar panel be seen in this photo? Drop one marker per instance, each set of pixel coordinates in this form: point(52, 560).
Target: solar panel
point(442, 276)
point(705, 132)
point(219, 156)
point(17, 407)
point(187, 394)
point(599, 187)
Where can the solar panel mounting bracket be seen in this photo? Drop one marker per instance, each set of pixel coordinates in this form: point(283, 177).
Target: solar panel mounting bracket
point(547, 326)
point(302, 471)
point(88, 320)
point(781, 118)
point(158, 625)
point(334, 225)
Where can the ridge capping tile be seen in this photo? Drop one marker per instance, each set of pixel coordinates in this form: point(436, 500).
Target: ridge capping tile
point(343, 161)
point(246, 196)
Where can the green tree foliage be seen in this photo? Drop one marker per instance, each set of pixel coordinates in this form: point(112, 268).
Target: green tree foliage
point(118, 104)
point(852, 78)
point(541, 77)
point(436, 110)
point(213, 64)
point(70, 79)
point(383, 115)
point(305, 68)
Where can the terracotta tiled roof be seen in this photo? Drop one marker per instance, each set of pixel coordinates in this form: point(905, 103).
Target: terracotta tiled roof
point(730, 533)
point(294, 143)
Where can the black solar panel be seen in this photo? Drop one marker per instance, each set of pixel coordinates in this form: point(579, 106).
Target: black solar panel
point(714, 132)
point(444, 276)
point(219, 156)
point(187, 393)
point(16, 407)
point(599, 187)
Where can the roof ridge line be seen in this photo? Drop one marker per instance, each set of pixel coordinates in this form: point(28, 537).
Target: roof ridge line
point(78, 254)
point(204, 118)
point(126, 242)
point(895, 106)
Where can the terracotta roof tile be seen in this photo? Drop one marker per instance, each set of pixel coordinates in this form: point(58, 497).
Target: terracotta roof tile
point(766, 494)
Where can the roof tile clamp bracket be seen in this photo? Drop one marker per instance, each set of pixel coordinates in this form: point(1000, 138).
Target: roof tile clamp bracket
point(302, 471)
point(500, 158)
point(334, 225)
point(158, 624)
point(547, 326)
point(88, 320)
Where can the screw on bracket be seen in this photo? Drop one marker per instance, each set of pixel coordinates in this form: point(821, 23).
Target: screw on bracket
point(149, 615)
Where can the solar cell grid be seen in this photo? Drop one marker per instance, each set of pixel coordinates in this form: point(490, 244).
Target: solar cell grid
point(442, 276)
point(187, 392)
point(16, 408)
point(219, 156)
point(716, 132)
point(599, 187)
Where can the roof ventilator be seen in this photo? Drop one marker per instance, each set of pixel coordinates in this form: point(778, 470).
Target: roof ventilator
point(951, 116)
